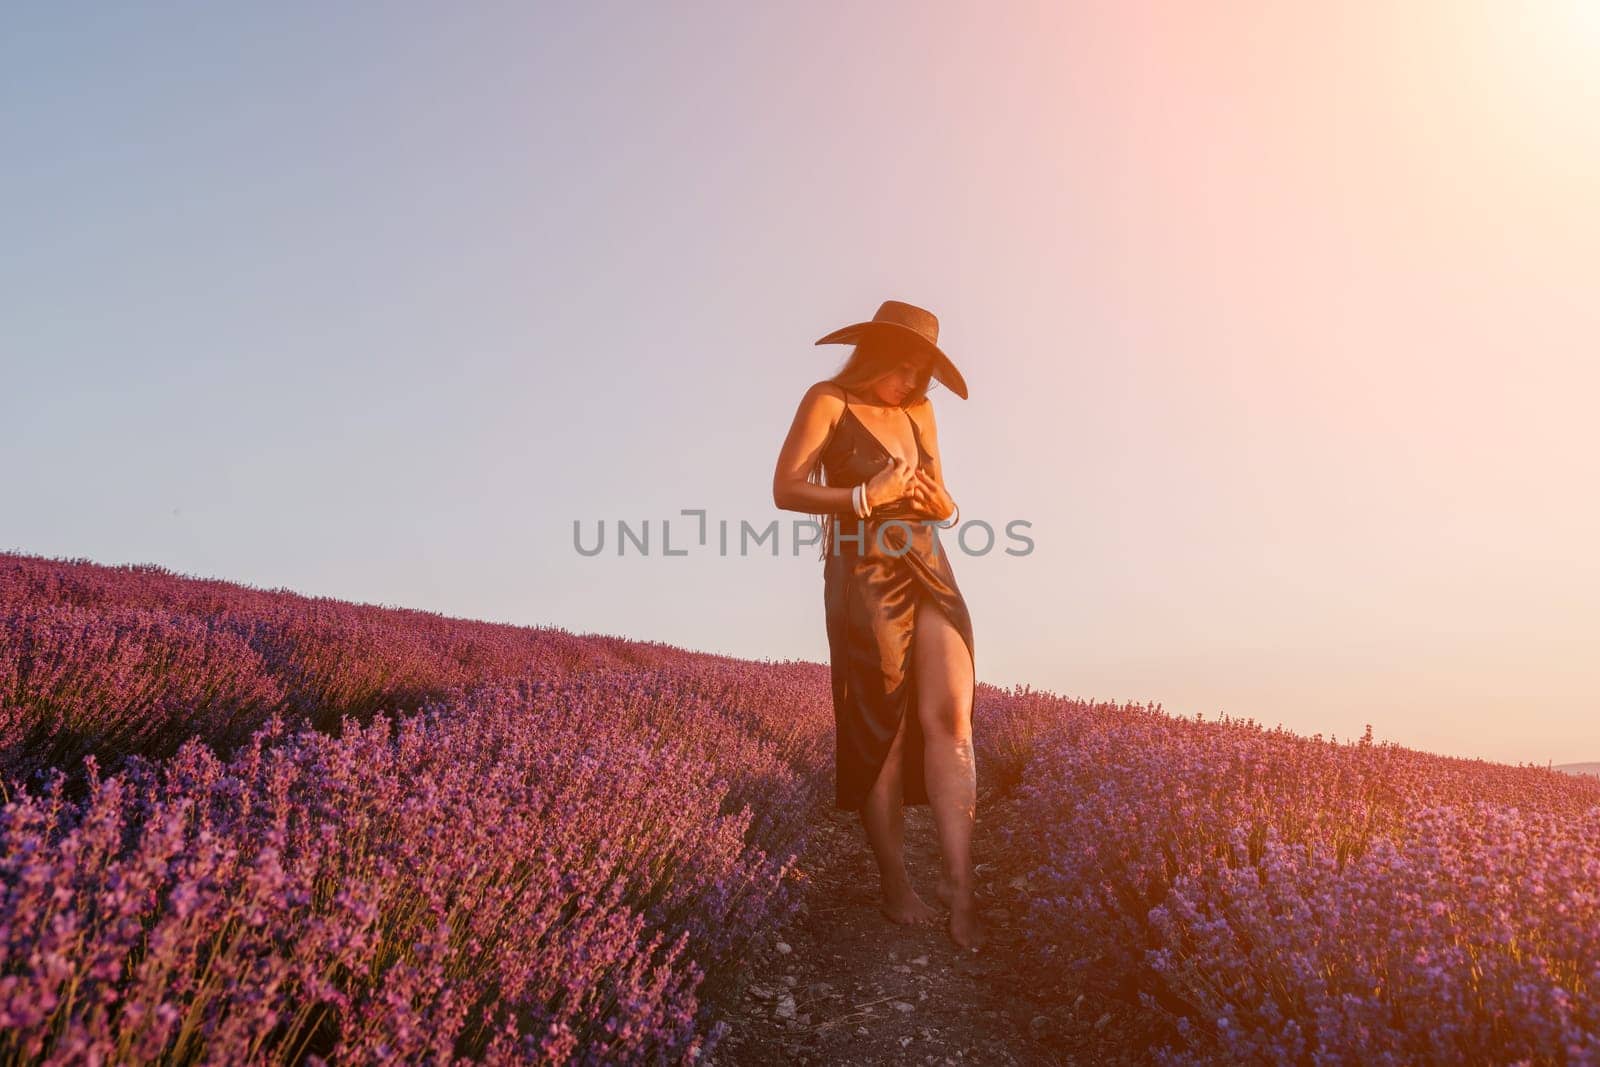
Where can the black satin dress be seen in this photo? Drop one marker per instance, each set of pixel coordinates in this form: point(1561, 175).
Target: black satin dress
point(871, 587)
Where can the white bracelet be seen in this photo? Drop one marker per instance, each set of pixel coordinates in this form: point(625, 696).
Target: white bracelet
point(858, 499)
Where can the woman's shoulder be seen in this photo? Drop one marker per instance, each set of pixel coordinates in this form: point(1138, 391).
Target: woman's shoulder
point(827, 395)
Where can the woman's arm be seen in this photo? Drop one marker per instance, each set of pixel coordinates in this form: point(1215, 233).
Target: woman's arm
point(819, 409)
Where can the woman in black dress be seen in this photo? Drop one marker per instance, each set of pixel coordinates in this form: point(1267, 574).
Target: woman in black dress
point(862, 455)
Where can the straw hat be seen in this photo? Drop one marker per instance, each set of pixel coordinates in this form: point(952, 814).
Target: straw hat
point(898, 321)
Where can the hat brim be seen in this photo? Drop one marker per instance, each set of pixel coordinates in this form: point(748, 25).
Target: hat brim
point(943, 369)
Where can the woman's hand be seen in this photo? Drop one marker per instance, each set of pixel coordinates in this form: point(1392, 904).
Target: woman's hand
point(929, 497)
point(896, 480)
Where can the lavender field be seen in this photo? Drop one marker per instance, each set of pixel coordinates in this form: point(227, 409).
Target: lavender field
point(248, 826)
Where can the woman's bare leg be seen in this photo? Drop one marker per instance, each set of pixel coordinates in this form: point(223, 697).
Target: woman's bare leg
point(883, 817)
point(944, 684)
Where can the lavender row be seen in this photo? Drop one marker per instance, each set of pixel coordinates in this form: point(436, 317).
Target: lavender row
point(1285, 899)
point(526, 872)
point(117, 661)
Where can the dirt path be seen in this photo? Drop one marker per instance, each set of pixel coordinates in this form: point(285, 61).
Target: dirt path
point(845, 986)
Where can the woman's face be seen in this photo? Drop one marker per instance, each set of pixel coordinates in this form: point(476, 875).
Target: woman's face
point(906, 373)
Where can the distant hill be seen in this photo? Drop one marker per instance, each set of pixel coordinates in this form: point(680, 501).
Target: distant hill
point(1579, 768)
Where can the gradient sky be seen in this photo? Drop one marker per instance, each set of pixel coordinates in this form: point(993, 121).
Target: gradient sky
point(1280, 323)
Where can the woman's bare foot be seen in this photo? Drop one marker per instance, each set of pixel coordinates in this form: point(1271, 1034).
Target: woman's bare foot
point(904, 906)
point(966, 927)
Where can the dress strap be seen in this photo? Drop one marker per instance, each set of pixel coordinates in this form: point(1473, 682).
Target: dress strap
point(834, 429)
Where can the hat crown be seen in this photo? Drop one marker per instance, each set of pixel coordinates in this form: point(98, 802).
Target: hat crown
point(919, 320)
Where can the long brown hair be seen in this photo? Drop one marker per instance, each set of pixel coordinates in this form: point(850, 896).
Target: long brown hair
point(867, 362)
